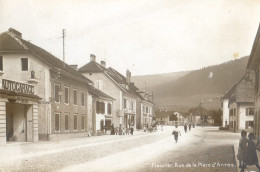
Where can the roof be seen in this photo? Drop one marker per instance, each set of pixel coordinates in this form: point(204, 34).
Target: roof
point(164, 114)
point(243, 89)
point(10, 42)
point(254, 58)
point(99, 93)
point(199, 110)
point(115, 76)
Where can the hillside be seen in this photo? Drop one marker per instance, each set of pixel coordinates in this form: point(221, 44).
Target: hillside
point(148, 81)
point(205, 85)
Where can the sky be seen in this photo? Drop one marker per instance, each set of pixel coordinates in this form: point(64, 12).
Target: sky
point(144, 36)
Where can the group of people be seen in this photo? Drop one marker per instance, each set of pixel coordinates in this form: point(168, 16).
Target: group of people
point(121, 130)
point(176, 132)
point(247, 151)
point(185, 127)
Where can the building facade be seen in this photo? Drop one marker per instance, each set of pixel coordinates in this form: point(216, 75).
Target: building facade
point(41, 96)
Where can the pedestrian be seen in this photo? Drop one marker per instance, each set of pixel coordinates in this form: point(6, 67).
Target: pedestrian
point(242, 149)
point(116, 131)
point(120, 130)
point(123, 131)
point(185, 128)
point(176, 133)
point(132, 130)
point(189, 126)
point(251, 155)
point(127, 131)
point(112, 130)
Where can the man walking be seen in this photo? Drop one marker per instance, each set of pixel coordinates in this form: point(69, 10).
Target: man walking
point(176, 133)
point(185, 128)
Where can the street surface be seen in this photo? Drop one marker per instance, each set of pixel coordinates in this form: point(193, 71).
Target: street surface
point(197, 150)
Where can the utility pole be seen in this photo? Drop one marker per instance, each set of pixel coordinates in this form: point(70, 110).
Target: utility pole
point(63, 38)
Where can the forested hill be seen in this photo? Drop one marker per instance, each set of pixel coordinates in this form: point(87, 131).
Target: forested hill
point(204, 85)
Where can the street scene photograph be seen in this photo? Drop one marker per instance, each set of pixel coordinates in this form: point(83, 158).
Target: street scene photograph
point(130, 86)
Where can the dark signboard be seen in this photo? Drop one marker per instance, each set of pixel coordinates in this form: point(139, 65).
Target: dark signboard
point(17, 87)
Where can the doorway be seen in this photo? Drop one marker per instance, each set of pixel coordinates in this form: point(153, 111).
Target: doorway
point(18, 122)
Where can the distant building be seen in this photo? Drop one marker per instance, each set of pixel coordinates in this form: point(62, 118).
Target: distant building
point(240, 99)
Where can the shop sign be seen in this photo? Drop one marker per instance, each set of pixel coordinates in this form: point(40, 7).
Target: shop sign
point(17, 87)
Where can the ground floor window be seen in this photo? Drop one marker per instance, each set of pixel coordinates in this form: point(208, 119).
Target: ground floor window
point(75, 122)
point(57, 122)
point(108, 122)
point(82, 122)
point(66, 122)
point(132, 120)
point(249, 124)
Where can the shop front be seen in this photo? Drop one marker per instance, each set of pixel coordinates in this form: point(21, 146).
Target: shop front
point(18, 113)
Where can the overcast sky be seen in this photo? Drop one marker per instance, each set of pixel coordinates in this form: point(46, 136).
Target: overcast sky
point(144, 36)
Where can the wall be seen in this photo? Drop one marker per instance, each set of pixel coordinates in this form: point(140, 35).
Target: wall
point(42, 88)
point(225, 112)
point(243, 117)
point(112, 90)
point(70, 108)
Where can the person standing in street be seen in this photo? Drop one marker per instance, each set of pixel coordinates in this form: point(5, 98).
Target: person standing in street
point(242, 149)
point(132, 130)
point(185, 128)
point(176, 133)
point(251, 155)
point(189, 126)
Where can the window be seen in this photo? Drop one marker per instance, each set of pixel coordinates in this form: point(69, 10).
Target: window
point(75, 97)
point(82, 98)
point(97, 107)
point(124, 103)
point(1, 63)
point(75, 122)
point(249, 111)
point(103, 107)
point(82, 122)
point(24, 64)
point(56, 93)
point(146, 109)
point(57, 122)
point(143, 109)
point(66, 122)
point(66, 95)
point(109, 108)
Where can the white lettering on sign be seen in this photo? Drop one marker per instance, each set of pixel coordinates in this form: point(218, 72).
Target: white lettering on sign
point(17, 87)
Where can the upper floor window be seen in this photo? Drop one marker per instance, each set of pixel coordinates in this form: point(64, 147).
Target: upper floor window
point(125, 104)
point(56, 93)
point(75, 97)
point(109, 107)
point(24, 64)
point(1, 63)
point(66, 95)
point(100, 107)
point(249, 111)
point(82, 98)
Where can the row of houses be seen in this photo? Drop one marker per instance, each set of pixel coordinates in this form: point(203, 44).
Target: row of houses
point(241, 103)
point(43, 98)
point(195, 116)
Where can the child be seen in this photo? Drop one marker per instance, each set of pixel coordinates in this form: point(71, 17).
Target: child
point(242, 149)
point(251, 156)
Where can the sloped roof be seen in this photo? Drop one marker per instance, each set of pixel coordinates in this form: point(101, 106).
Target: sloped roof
point(10, 42)
point(115, 76)
point(199, 110)
point(99, 93)
point(164, 114)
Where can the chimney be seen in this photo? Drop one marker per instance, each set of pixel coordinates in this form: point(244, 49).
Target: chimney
point(103, 63)
point(16, 32)
point(128, 76)
point(92, 58)
point(74, 67)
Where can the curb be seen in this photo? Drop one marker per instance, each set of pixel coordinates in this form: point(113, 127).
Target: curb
point(235, 147)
